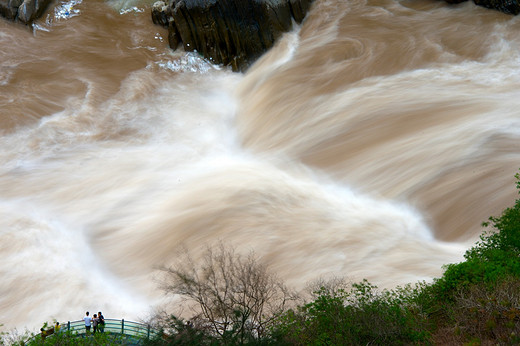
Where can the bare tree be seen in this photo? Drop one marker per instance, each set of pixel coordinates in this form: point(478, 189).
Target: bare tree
point(235, 295)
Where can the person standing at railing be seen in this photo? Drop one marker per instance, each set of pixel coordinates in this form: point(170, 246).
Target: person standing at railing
point(88, 322)
point(95, 322)
point(101, 325)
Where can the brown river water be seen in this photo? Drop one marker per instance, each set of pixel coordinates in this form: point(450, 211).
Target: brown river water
point(371, 142)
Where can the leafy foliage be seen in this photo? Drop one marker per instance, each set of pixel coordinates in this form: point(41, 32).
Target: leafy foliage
point(357, 315)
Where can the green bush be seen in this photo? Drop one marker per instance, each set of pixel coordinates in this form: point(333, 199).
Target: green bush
point(359, 315)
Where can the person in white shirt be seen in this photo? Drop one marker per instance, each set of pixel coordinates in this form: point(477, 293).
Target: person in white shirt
point(88, 322)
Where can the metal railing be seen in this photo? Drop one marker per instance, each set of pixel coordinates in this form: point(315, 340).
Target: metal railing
point(113, 326)
point(128, 329)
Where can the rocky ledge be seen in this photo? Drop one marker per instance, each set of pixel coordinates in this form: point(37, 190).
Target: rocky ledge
point(24, 11)
point(228, 32)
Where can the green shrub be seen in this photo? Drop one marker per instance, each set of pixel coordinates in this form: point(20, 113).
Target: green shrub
point(359, 315)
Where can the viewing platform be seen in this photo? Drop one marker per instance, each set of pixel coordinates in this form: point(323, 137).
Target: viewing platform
point(133, 332)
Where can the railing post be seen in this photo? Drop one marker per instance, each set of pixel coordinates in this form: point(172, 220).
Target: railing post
point(68, 326)
point(148, 335)
point(123, 326)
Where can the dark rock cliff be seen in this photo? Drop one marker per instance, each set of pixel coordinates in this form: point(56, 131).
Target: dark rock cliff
point(24, 11)
point(229, 32)
point(506, 6)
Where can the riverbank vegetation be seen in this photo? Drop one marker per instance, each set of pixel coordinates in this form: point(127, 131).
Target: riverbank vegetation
point(237, 301)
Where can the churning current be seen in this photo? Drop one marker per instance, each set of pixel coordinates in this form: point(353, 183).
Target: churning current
point(370, 142)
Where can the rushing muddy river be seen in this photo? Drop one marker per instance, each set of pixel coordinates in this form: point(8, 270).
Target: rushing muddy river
point(371, 142)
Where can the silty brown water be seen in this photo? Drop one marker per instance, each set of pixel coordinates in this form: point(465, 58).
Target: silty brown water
point(371, 142)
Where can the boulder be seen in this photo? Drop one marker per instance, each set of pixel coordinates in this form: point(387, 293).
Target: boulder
point(25, 11)
point(229, 32)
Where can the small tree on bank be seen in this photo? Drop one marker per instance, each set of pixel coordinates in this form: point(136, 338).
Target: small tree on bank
point(236, 298)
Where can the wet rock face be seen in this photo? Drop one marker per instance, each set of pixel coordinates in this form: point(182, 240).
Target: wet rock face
point(229, 32)
point(160, 13)
point(506, 6)
point(25, 11)
point(9, 8)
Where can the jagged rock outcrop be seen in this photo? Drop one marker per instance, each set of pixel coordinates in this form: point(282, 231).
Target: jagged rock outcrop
point(25, 11)
point(506, 6)
point(229, 32)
